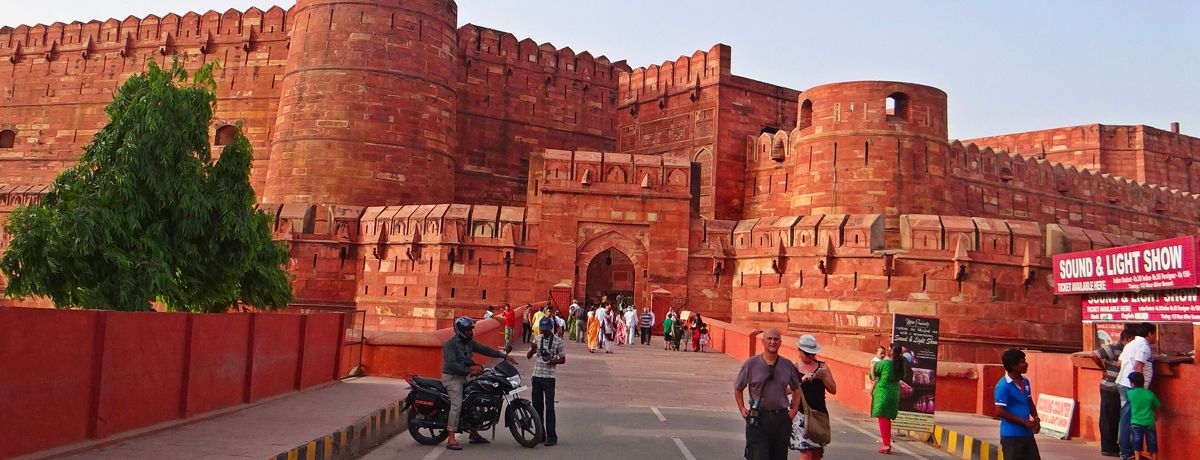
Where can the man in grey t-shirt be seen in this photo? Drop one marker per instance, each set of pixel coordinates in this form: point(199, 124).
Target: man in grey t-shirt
point(771, 379)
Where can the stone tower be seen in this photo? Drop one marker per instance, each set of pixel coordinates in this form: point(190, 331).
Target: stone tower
point(367, 111)
point(871, 147)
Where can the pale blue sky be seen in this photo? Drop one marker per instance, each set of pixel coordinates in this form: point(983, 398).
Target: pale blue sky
point(1008, 66)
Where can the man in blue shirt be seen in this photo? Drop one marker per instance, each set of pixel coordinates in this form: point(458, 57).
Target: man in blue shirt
point(1014, 405)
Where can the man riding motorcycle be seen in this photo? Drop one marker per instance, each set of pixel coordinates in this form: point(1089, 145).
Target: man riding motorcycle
point(458, 367)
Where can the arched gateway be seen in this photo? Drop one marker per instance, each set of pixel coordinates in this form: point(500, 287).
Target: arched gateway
point(611, 264)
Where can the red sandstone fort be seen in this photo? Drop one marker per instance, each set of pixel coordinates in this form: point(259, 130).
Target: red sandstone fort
point(420, 170)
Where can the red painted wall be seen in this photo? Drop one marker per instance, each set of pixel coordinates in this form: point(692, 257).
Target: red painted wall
point(320, 349)
point(217, 368)
point(275, 357)
point(141, 380)
point(45, 402)
point(70, 375)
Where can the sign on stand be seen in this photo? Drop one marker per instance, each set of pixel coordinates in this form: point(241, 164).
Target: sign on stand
point(1056, 414)
point(919, 338)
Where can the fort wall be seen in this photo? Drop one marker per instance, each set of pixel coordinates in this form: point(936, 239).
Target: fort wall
point(694, 108)
point(57, 79)
point(1138, 152)
point(518, 97)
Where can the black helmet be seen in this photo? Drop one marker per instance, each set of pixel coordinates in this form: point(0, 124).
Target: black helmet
point(462, 325)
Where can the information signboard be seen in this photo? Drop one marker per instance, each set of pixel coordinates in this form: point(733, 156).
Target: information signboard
point(1164, 264)
point(1174, 305)
point(919, 338)
point(1056, 414)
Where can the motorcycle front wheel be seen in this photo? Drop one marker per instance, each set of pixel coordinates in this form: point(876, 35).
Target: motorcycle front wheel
point(425, 435)
point(525, 425)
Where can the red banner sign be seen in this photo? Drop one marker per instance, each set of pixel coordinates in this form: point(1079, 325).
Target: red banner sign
point(1164, 264)
point(1177, 305)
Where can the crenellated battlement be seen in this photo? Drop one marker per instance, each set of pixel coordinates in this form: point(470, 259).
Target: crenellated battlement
point(615, 172)
point(169, 33)
point(1069, 182)
point(496, 46)
point(685, 73)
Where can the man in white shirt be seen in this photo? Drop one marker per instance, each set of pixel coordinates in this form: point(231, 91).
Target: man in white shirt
point(630, 324)
point(601, 315)
point(1137, 356)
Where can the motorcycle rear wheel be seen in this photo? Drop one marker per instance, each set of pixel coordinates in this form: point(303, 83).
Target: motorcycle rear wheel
point(525, 425)
point(423, 435)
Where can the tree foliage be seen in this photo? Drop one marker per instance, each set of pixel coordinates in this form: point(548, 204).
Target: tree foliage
point(148, 215)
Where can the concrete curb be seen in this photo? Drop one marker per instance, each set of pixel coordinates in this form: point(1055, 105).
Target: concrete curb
point(354, 440)
point(964, 446)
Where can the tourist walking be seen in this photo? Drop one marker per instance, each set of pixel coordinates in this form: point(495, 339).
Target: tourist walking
point(560, 324)
point(620, 329)
point(677, 333)
point(1137, 356)
point(593, 328)
point(458, 366)
point(668, 325)
point(526, 317)
point(550, 353)
point(602, 318)
point(631, 325)
point(510, 322)
point(696, 324)
point(1110, 400)
point(581, 318)
point(572, 313)
point(646, 323)
point(885, 396)
point(815, 381)
point(1014, 405)
point(771, 379)
point(610, 329)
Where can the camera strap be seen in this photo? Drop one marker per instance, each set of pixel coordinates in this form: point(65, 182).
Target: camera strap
point(770, 375)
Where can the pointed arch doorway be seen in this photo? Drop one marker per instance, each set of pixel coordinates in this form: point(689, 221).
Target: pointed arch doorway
point(611, 263)
point(610, 275)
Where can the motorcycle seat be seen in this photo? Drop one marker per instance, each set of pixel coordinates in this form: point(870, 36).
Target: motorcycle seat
point(429, 383)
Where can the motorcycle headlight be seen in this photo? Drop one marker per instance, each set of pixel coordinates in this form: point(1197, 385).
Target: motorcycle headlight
point(515, 381)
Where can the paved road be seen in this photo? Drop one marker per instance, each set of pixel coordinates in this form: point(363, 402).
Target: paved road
point(644, 402)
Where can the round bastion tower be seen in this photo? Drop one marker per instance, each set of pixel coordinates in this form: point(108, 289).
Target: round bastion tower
point(871, 147)
point(367, 109)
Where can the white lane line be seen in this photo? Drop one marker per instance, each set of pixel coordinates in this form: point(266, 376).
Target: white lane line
point(877, 438)
point(687, 454)
point(659, 414)
point(435, 453)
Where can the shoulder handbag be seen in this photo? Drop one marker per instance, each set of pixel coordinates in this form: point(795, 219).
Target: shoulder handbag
point(816, 423)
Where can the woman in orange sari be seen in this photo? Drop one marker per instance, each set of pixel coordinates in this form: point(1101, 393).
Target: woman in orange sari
point(593, 330)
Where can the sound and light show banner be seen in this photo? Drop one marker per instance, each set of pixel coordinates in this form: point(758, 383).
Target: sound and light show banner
point(919, 338)
point(1164, 264)
point(1170, 306)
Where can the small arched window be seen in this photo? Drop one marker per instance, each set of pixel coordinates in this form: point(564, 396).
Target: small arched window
point(225, 135)
point(897, 106)
point(8, 138)
point(805, 115)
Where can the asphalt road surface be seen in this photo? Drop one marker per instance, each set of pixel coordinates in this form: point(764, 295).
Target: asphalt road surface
point(644, 402)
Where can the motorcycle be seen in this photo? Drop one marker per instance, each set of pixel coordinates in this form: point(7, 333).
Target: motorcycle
point(429, 407)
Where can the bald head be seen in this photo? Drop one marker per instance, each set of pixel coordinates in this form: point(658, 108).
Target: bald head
point(771, 341)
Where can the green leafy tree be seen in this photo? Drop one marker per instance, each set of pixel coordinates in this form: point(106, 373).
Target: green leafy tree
point(148, 215)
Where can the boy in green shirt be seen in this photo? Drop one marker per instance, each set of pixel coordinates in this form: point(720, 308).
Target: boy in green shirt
point(1142, 403)
point(667, 325)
